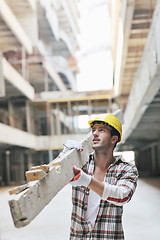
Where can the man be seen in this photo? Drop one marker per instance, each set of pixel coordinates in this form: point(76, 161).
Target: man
point(104, 185)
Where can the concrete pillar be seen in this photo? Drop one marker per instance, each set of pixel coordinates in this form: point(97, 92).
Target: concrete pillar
point(153, 159)
point(52, 124)
point(2, 82)
point(58, 122)
point(1, 169)
point(77, 115)
point(28, 117)
point(24, 65)
point(158, 155)
point(29, 160)
point(19, 154)
point(148, 160)
point(89, 108)
point(8, 167)
point(48, 114)
point(69, 106)
point(109, 105)
point(11, 114)
point(46, 83)
point(50, 155)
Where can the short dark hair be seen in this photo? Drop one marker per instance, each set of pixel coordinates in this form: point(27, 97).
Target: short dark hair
point(114, 132)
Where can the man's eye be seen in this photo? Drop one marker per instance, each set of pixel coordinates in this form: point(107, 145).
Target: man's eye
point(101, 130)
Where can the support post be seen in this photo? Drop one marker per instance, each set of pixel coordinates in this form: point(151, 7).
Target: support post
point(8, 166)
point(58, 121)
point(28, 117)
point(11, 113)
point(69, 106)
point(2, 82)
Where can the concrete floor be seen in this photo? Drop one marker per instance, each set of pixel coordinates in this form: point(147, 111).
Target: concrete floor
point(141, 216)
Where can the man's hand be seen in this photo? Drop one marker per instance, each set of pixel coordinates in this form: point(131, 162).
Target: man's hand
point(81, 178)
point(71, 144)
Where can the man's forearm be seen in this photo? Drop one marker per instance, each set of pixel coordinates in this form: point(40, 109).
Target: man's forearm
point(96, 186)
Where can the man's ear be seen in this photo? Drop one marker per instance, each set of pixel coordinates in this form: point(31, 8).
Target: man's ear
point(114, 139)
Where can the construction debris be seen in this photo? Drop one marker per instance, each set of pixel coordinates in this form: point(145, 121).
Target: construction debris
point(27, 204)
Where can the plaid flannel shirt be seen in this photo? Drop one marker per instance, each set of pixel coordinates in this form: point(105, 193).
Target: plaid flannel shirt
point(108, 224)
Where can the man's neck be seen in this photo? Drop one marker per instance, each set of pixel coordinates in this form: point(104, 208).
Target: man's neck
point(103, 159)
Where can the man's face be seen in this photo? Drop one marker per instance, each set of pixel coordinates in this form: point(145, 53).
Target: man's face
point(101, 137)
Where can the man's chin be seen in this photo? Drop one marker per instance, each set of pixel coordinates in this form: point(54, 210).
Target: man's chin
point(95, 146)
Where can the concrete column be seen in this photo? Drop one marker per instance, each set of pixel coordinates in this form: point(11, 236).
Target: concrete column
point(109, 105)
point(11, 114)
point(50, 155)
point(77, 115)
point(8, 167)
point(69, 106)
point(48, 115)
point(89, 108)
point(28, 117)
point(24, 65)
point(2, 82)
point(65, 127)
point(153, 159)
point(29, 162)
point(20, 158)
point(52, 124)
point(1, 169)
point(46, 84)
point(158, 154)
point(58, 122)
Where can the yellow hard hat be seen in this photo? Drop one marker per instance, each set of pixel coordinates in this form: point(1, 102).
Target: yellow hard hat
point(110, 119)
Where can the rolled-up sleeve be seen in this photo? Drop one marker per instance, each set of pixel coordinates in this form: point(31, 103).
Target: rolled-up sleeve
point(122, 192)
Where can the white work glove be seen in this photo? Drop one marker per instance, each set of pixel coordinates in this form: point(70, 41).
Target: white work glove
point(81, 178)
point(71, 144)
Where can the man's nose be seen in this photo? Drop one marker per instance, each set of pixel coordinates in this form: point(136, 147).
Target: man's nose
point(95, 132)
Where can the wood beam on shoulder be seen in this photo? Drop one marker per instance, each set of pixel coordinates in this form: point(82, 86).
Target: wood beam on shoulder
point(28, 203)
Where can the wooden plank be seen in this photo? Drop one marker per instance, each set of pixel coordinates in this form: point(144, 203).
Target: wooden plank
point(26, 205)
point(18, 189)
point(44, 168)
point(35, 175)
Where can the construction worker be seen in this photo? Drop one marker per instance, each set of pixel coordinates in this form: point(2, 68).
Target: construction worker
point(102, 186)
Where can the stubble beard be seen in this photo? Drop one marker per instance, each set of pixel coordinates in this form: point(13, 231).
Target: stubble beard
point(101, 148)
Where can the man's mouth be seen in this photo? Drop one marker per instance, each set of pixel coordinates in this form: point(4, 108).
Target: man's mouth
point(95, 140)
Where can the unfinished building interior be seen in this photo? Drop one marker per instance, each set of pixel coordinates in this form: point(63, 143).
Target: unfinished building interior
point(39, 102)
